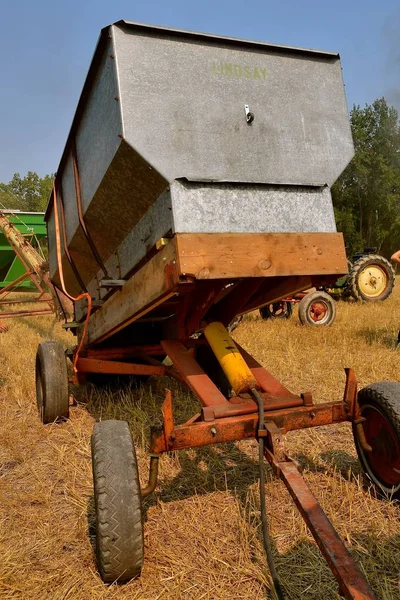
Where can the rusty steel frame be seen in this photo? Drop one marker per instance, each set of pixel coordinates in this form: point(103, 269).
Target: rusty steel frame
point(222, 420)
point(352, 584)
point(42, 298)
point(94, 365)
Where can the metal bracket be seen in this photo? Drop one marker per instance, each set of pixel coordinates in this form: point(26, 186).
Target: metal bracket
point(275, 441)
point(112, 283)
point(249, 115)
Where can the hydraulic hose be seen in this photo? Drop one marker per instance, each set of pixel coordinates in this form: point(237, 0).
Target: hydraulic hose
point(264, 517)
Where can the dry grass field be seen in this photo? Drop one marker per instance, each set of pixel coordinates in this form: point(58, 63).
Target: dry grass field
point(202, 526)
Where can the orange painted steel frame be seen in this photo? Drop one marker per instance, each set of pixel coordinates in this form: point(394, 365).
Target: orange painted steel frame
point(223, 420)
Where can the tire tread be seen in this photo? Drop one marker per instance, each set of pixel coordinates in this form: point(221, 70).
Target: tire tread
point(51, 367)
point(119, 524)
point(352, 288)
point(385, 395)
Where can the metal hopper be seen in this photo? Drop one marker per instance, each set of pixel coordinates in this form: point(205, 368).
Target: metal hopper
point(195, 187)
point(184, 132)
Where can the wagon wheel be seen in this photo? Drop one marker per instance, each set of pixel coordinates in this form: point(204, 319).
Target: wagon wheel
point(371, 279)
point(52, 395)
point(317, 308)
point(380, 406)
point(276, 310)
point(118, 502)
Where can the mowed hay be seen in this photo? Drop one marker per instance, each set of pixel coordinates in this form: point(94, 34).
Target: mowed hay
point(202, 526)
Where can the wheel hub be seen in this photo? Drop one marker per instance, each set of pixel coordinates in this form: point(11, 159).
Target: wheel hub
point(372, 281)
point(385, 456)
point(318, 311)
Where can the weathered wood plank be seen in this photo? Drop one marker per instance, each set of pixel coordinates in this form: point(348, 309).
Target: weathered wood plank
point(220, 255)
point(150, 286)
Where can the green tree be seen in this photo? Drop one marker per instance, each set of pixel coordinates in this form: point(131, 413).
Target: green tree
point(6, 199)
point(29, 193)
point(367, 195)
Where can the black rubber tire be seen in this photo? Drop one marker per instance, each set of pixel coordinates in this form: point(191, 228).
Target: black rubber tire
point(271, 311)
point(118, 502)
point(306, 309)
point(383, 397)
point(210, 365)
point(52, 396)
point(352, 285)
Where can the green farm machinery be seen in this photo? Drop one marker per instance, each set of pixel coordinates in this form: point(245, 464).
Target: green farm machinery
point(24, 278)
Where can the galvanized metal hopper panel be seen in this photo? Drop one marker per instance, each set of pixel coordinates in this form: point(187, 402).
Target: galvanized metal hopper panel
point(183, 104)
point(160, 105)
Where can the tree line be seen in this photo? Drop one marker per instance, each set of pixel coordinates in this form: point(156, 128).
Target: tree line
point(30, 193)
point(366, 197)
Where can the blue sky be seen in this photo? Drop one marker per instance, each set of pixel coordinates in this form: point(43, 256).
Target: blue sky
point(46, 47)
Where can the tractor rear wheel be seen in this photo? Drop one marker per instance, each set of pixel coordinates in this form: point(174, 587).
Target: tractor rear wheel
point(380, 406)
point(118, 502)
point(52, 394)
point(317, 308)
point(371, 279)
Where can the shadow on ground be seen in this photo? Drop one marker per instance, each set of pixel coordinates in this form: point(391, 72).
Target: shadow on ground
point(226, 467)
point(44, 330)
point(381, 336)
point(332, 461)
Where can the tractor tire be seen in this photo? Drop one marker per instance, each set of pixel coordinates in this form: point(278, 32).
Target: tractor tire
point(118, 502)
point(380, 406)
point(317, 308)
point(52, 394)
point(276, 310)
point(371, 279)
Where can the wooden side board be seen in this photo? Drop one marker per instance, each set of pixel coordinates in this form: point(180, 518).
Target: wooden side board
point(149, 287)
point(221, 255)
point(292, 257)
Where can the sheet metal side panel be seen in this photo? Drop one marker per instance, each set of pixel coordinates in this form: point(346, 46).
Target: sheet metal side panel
point(184, 111)
point(232, 208)
point(97, 140)
point(97, 137)
point(51, 242)
point(155, 224)
point(224, 208)
point(196, 35)
point(67, 189)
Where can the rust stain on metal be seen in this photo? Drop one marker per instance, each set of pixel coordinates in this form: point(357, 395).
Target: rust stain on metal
point(232, 428)
point(206, 391)
point(94, 365)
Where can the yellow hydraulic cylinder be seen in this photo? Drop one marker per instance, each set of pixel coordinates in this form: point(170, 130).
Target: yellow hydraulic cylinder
point(234, 366)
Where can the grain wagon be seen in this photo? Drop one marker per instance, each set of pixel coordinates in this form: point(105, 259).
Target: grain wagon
point(195, 186)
